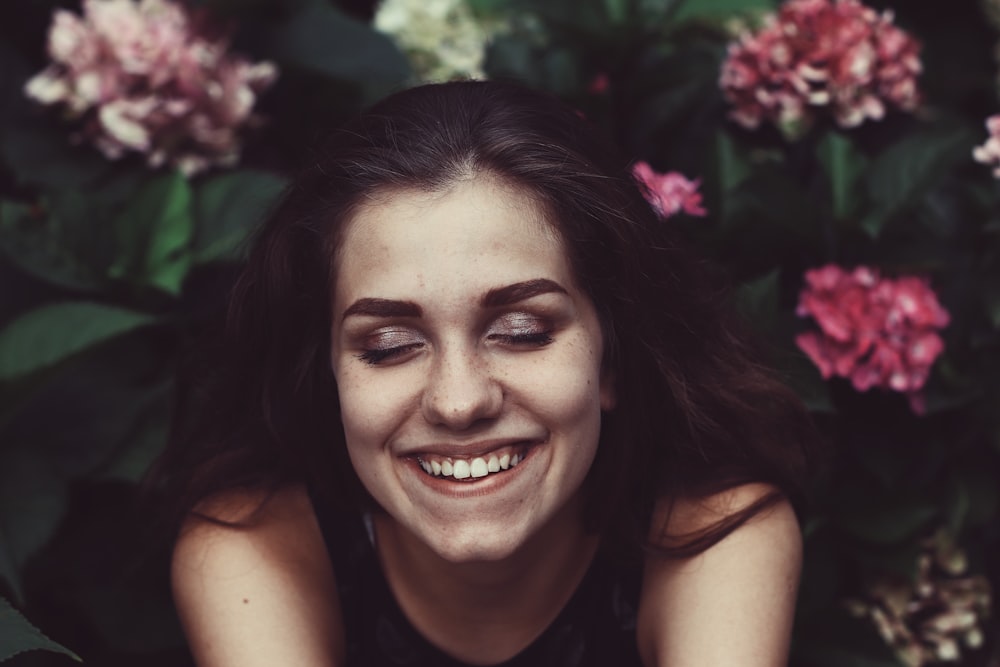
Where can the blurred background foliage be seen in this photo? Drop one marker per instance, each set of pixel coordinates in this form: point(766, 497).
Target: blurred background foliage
point(110, 269)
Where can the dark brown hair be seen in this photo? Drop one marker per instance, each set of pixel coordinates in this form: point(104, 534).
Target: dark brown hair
point(695, 412)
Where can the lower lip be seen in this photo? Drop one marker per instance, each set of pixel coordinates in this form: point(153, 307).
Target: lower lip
point(472, 487)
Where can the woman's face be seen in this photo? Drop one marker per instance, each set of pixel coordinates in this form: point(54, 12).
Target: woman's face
point(468, 365)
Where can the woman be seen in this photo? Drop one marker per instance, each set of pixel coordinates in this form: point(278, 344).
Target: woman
point(477, 405)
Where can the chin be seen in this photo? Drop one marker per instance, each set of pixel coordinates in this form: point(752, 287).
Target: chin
point(473, 548)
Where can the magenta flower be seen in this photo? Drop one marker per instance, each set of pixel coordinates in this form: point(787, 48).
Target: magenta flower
point(140, 79)
point(878, 332)
point(816, 54)
point(669, 193)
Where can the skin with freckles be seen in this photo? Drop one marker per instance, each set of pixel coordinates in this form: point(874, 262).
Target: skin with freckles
point(459, 331)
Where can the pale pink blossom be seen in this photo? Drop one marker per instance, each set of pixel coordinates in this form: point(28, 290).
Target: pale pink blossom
point(140, 78)
point(669, 193)
point(989, 151)
point(878, 332)
point(837, 55)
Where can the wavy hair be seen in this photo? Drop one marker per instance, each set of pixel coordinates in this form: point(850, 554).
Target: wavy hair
point(696, 412)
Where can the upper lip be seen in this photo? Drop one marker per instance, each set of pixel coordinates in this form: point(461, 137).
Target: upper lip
point(469, 449)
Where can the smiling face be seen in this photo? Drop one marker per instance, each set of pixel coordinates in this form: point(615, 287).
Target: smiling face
point(468, 365)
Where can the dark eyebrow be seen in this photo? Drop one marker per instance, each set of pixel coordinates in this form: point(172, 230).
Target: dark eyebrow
point(504, 296)
point(383, 308)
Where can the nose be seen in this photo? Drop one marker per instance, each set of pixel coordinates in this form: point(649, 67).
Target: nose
point(461, 390)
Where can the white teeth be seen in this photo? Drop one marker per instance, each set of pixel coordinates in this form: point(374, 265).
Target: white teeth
point(478, 468)
point(461, 469)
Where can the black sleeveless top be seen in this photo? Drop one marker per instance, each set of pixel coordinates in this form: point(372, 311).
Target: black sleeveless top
point(596, 628)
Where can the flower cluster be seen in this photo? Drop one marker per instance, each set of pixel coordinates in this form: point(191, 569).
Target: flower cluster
point(669, 193)
point(931, 619)
point(878, 332)
point(989, 151)
point(141, 80)
point(442, 39)
point(835, 54)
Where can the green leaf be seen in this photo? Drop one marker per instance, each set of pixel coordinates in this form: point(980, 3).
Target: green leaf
point(716, 9)
point(32, 504)
point(616, 10)
point(36, 244)
point(321, 39)
point(17, 635)
point(155, 231)
point(53, 333)
point(901, 175)
point(227, 208)
point(844, 165)
point(758, 301)
point(41, 154)
point(888, 523)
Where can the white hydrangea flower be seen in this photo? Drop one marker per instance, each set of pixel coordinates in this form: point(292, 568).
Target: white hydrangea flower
point(443, 39)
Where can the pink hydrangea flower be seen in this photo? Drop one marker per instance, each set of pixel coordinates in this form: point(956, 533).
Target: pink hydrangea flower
point(837, 55)
point(878, 332)
point(669, 193)
point(989, 151)
point(141, 79)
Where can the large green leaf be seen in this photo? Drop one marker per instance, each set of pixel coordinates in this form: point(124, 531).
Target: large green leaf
point(900, 176)
point(844, 165)
point(155, 232)
point(721, 9)
point(55, 332)
point(32, 503)
point(227, 208)
point(37, 244)
point(17, 635)
point(321, 39)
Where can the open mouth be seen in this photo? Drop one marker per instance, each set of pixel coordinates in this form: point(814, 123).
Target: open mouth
point(473, 469)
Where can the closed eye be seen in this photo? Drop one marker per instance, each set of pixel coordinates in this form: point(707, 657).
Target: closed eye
point(389, 343)
point(521, 330)
point(377, 356)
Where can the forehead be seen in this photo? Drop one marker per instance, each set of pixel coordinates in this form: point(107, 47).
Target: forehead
point(478, 232)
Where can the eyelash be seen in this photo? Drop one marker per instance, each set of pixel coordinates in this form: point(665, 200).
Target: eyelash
point(374, 357)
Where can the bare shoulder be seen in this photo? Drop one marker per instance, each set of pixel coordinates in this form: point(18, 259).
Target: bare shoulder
point(732, 604)
point(261, 592)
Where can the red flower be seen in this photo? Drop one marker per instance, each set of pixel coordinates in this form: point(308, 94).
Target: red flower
point(876, 331)
point(821, 53)
point(669, 193)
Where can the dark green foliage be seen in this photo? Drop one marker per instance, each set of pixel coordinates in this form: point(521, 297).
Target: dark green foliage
point(109, 270)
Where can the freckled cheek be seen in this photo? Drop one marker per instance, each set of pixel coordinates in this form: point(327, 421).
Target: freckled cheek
point(368, 410)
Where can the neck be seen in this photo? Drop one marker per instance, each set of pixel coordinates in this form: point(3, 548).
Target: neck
point(486, 612)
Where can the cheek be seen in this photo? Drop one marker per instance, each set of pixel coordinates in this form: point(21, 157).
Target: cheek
point(366, 408)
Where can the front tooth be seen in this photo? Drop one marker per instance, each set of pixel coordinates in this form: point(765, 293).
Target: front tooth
point(435, 468)
point(493, 465)
point(514, 460)
point(478, 468)
point(446, 468)
point(505, 461)
point(462, 470)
